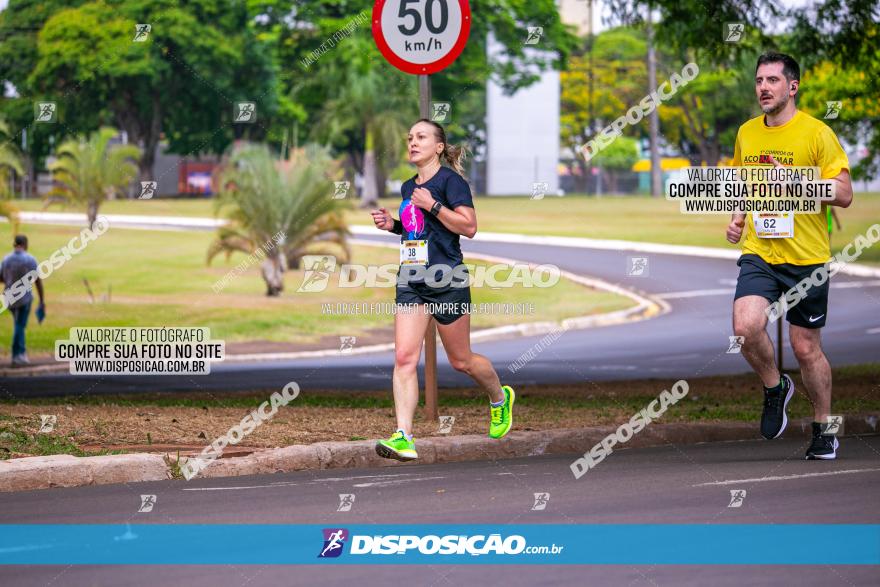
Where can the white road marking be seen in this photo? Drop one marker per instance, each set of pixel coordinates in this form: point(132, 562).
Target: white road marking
point(852, 284)
point(289, 483)
point(679, 357)
point(382, 476)
point(695, 293)
point(387, 483)
point(873, 331)
point(237, 487)
point(786, 477)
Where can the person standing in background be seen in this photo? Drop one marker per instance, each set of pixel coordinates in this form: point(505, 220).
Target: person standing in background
point(15, 266)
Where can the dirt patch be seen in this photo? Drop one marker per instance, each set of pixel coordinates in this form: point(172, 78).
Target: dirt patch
point(189, 422)
point(113, 427)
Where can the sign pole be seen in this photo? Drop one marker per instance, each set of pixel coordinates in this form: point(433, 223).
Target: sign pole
point(779, 345)
point(420, 40)
point(431, 410)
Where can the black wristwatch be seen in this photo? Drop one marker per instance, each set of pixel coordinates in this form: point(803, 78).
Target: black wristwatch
point(435, 209)
point(398, 227)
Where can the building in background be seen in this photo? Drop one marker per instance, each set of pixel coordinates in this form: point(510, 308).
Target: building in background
point(522, 135)
point(577, 14)
point(522, 130)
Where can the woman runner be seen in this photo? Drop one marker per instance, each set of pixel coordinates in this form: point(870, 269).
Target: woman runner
point(437, 207)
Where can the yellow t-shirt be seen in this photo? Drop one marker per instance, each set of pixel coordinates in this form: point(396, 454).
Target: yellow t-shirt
point(803, 141)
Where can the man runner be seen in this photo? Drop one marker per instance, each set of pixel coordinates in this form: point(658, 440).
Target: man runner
point(773, 261)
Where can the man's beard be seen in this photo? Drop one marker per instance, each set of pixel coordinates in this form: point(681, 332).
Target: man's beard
point(777, 107)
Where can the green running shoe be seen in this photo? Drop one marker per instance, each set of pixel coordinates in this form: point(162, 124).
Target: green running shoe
point(397, 447)
point(502, 416)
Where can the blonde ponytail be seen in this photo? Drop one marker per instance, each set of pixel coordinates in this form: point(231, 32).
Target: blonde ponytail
point(455, 156)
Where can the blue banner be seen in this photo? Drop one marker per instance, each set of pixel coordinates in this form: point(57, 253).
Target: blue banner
point(605, 544)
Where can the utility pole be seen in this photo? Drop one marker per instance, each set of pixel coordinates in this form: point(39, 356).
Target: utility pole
point(653, 118)
point(594, 127)
point(431, 410)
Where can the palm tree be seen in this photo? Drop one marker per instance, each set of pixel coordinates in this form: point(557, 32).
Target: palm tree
point(9, 160)
point(288, 202)
point(89, 172)
point(369, 99)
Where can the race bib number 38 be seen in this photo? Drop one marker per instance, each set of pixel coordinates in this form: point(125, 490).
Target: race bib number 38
point(414, 252)
point(774, 225)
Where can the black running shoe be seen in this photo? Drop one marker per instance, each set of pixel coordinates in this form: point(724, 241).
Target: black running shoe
point(824, 446)
point(773, 418)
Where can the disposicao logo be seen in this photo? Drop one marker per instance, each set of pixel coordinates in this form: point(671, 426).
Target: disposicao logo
point(432, 544)
point(334, 540)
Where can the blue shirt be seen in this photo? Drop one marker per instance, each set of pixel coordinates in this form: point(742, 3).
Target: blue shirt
point(451, 190)
point(16, 265)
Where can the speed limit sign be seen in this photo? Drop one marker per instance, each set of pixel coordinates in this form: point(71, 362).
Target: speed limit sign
point(421, 37)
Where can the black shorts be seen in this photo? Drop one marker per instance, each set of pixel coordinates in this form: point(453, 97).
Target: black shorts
point(759, 278)
point(447, 304)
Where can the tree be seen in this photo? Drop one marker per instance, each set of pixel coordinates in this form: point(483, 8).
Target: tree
point(10, 160)
point(298, 30)
point(89, 172)
point(20, 22)
point(843, 33)
point(859, 109)
point(839, 44)
point(280, 210)
point(182, 82)
point(369, 99)
point(619, 81)
point(703, 117)
point(697, 27)
point(619, 156)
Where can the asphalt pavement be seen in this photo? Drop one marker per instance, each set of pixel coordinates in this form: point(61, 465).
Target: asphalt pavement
point(689, 341)
point(663, 485)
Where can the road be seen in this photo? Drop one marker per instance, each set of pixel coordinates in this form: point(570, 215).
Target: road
point(662, 485)
point(689, 341)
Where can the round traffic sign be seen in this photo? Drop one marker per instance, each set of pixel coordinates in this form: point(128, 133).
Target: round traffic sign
point(421, 36)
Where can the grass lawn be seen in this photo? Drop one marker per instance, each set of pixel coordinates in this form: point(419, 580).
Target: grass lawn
point(91, 424)
point(636, 218)
point(157, 278)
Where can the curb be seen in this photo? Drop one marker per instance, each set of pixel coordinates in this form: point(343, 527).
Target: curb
point(129, 220)
point(68, 471)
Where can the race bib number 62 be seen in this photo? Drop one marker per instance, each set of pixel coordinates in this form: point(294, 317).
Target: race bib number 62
point(774, 225)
